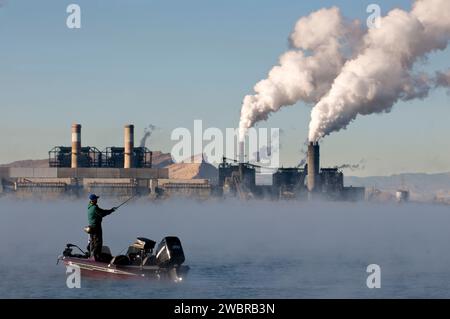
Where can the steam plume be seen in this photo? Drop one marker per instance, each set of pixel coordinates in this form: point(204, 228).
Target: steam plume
point(382, 74)
point(321, 43)
point(353, 167)
point(148, 131)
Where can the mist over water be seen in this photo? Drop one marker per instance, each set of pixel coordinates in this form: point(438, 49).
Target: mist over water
point(237, 249)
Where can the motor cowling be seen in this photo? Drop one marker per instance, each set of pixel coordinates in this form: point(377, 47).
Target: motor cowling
point(170, 252)
point(67, 251)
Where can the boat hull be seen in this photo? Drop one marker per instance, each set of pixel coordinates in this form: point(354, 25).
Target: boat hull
point(95, 269)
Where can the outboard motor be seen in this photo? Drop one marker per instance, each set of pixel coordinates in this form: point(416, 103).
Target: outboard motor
point(170, 252)
point(68, 252)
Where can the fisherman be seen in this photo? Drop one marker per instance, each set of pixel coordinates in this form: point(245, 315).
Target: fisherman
point(95, 217)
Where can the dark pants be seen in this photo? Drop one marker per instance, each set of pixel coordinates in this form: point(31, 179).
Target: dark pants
point(96, 243)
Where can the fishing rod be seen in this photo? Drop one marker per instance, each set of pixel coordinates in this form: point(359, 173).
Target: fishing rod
point(117, 207)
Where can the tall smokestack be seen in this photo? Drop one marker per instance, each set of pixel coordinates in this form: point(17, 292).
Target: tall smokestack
point(241, 152)
point(76, 145)
point(313, 166)
point(129, 146)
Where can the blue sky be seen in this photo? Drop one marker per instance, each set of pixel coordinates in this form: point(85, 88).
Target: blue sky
point(170, 62)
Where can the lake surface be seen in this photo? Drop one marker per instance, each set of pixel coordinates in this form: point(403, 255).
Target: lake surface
point(237, 249)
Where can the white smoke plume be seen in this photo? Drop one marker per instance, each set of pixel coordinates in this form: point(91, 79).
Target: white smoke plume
point(381, 74)
point(321, 43)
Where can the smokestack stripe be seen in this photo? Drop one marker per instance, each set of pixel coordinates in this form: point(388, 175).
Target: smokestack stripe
point(129, 146)
point(76, 145)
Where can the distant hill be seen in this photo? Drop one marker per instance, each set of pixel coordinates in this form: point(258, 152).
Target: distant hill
point(160, 159)
point(198, 168)
point(28, 163)
point(419, 184)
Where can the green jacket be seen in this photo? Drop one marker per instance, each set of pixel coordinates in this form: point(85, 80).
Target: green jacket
point(96, 214)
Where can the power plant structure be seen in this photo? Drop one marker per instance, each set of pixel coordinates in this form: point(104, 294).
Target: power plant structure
point(328, 183)
point(238, 179)
point(77, 156)
point(289, 183)
point(313, 167)
point(309, 182)
point(77, 170)
point(127, 170)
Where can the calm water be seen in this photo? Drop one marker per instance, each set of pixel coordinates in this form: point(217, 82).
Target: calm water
point(238, 250)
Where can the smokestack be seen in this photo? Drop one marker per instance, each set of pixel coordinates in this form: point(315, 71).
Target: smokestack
point(313, 166)
point(129, 146)
point(241, 152)
point(76, 145)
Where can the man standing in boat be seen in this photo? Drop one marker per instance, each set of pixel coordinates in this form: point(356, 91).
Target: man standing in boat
point(95, 217)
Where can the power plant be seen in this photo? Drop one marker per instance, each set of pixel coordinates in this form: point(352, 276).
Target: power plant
point(77, 156)
point(77, 170)
point(309, 182)
point(127, 170)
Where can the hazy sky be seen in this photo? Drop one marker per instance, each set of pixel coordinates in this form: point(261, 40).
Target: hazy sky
point(168, 63)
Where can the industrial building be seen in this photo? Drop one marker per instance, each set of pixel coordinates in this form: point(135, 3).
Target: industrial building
point(289, 183)
point(126, 170)
point(402, 195)
point(118, 171)
point(77, 156)
point(310, 182)
point(236, 179)
point(77, 170)
point(328, 183)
